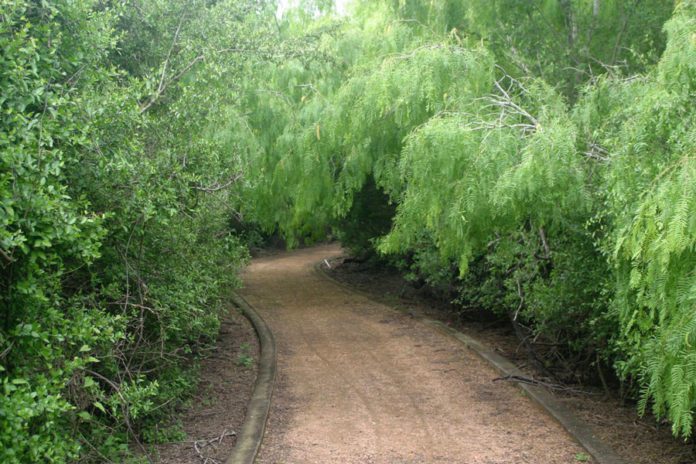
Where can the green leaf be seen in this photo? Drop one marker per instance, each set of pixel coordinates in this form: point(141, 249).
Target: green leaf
point(99, 406)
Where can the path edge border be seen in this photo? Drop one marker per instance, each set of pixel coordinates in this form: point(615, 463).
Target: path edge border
point(251, 434)
point(601, 452)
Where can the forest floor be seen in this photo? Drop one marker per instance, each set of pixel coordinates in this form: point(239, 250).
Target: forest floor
point(216, 411)
point(637, 440)
point(360, 382)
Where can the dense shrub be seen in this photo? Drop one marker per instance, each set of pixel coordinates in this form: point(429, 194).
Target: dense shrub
point(117, 185)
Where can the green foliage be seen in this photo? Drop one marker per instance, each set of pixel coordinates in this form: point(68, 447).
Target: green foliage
point(565, 42)
point(534, 159)
point(373, 112)
point(653, 205)
point(244, 358)
point(117, 185)
point(496, 168)
point(45, 234)
point(538, 157)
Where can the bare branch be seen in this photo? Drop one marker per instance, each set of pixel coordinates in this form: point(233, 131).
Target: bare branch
point(7, 350)
point(7, 257)
point(217, 186)
point(166, 82)
point(597, 152)
point(545, 243)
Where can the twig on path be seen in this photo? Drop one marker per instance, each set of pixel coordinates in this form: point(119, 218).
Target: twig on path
point(327, 264)
point(551, 386)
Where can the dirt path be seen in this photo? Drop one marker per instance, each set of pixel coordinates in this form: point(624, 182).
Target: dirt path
point(361, 383)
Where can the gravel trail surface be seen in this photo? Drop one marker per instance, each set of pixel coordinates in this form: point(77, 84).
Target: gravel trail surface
point(359, 382)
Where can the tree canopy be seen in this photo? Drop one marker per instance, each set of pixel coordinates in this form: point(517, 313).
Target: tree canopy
point(532, 158)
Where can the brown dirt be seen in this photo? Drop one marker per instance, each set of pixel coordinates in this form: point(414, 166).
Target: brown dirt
point(638, 440)
point(219, 405)
point(359, 382)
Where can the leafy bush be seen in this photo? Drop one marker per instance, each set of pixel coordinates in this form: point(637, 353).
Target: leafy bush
point(117, 184)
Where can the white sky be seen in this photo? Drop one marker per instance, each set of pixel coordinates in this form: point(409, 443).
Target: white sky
point(284, 5)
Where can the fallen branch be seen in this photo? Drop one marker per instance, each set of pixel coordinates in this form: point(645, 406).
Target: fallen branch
point(199, 445)
point(7, 257)
point(530, 381)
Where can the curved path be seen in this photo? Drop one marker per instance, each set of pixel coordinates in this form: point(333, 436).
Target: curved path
point(359, 382)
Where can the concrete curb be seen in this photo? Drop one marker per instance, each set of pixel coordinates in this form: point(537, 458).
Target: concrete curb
point(251, 435)
point(579, 430)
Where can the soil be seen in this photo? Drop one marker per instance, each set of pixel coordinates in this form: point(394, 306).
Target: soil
point(216, 412)
point(638, 440)
point(360, 382)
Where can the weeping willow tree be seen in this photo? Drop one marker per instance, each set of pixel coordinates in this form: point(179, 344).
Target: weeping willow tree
point(497, 164)
point(536, 157)
point(645, 129)
point(297, 117)
point(363, 130)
